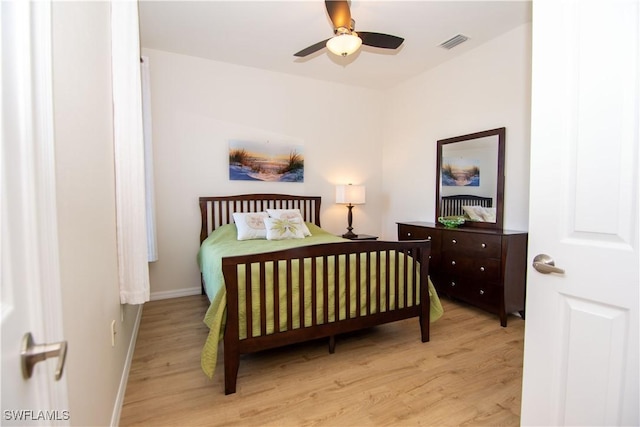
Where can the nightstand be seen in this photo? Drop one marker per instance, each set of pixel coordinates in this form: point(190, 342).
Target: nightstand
point(362, 237)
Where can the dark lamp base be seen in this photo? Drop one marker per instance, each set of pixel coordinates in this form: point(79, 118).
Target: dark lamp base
point(349, 235)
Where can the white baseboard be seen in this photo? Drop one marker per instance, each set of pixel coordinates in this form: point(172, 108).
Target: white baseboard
point(186, 292)
point(117, 409)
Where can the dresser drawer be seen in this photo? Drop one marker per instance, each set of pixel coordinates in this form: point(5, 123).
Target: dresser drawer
point(486, 296)
point(411, 232)
point(482, 245)
point(483, 294)
point(483, 269)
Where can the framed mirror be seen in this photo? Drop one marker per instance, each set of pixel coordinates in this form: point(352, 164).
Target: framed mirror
point(470, 178)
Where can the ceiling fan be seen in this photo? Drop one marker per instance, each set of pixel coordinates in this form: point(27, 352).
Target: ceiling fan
point(346, 41)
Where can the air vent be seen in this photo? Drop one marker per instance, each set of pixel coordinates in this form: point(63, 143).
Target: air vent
point(454, 41)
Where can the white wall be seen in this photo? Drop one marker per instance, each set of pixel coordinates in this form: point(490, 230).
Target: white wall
point(487, 88)
point(199, 105)
point(86, 211)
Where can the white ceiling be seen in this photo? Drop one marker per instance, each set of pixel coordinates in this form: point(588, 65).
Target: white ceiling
point(265, 34)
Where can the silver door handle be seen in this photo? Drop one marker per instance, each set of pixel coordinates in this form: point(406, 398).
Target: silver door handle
point(32, 353)
point(544, 264)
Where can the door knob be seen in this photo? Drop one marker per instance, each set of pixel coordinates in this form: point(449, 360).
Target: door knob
point(32, 353)
point(544, 264)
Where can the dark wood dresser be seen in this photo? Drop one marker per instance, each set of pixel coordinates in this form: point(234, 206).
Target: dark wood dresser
point(483, 267)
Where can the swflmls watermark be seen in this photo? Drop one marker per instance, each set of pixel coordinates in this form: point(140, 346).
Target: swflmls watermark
point(35, 415)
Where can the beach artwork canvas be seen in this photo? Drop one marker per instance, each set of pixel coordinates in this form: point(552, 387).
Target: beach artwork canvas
point(265, 161)
point(458, 171)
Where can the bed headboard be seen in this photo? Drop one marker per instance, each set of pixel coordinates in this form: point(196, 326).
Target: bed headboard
point(217, 211)
point(452, 205)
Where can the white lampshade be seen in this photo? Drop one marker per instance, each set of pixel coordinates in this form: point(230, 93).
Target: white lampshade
point(344, 44)
point(350, 194)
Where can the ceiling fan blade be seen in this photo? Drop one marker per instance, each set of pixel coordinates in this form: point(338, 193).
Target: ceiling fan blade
point(339, 13)
point(311, 49)
point(385, 41)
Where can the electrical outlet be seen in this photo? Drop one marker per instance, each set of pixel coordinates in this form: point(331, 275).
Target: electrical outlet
point(113, 333)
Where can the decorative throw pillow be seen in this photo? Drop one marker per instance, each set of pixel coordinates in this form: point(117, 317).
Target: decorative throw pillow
point(488, 214)
point(289, 214)
point(473, 212)
point(250, 225)
point(479, 213)
point(282, 229)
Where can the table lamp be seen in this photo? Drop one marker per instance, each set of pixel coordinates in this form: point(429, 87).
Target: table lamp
point(350, 195)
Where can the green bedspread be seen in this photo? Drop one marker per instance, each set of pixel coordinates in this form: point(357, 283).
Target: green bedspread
point(223, 243)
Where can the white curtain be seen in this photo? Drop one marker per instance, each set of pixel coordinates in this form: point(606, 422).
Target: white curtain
point(152, 245)
point(131, 220)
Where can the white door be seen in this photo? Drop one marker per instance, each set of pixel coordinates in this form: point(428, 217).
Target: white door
point(29, 263)
point(581, 337)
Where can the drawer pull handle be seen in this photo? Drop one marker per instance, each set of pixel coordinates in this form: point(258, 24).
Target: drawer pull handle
point(453, 284)
point(484, 245)
point(429, 238)
point(481, 292)
point(453, 263)
point(408, 234)
point(454, 241)
point(481, 268)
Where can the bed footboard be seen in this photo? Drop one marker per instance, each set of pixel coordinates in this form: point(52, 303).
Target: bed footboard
point(301, 294)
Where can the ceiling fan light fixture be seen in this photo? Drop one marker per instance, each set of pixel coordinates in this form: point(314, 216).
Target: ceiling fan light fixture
point(344, 44)
point(346, 41)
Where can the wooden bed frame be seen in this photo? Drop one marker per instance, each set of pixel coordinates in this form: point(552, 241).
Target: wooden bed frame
point(217, 211)
point(452, 205)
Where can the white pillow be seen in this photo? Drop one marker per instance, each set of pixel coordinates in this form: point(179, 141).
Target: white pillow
point(479, 213)
point(488, 214)
point(250, 225)
point(473, 212)
point(289, 214)
point(282, 229)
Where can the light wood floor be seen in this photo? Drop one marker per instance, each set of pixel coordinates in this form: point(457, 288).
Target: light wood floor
point(470, 373)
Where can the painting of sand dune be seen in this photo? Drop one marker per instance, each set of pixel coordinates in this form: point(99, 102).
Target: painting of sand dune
point(265, 161)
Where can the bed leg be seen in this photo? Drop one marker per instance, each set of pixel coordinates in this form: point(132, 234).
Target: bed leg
point(231, 362)
point(231, 365)
point(503, 320)
point(332, 344)
point(424, 328)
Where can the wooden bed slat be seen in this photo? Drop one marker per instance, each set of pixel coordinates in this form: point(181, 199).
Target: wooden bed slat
point(405, 282)
point(301, 293)
point(263, 299)
point(378, 295)
point(396, 280)
point(314, 292)
point(325, 289)
point(368, 283)
point(276, 298)
point(336, 293)
point(248, 303)
point(358, 285)
point(347, 273)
